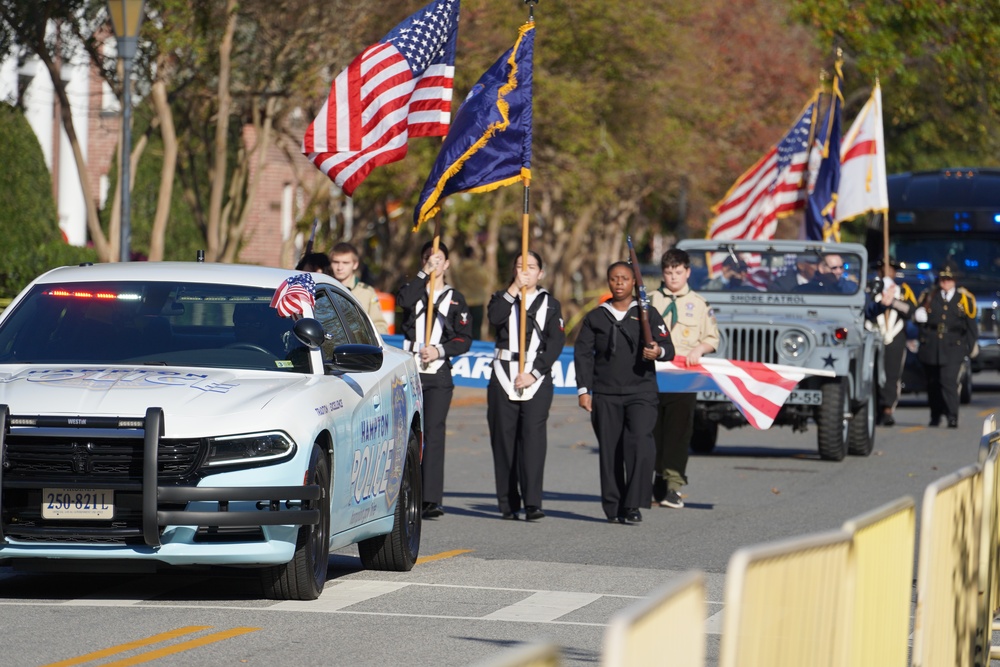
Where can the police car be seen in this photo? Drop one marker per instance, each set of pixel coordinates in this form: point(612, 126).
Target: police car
point(190, 413)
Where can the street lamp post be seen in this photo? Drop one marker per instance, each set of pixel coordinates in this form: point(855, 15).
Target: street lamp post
point(126, 16)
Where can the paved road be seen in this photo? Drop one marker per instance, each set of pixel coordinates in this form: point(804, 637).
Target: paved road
point(484, 585)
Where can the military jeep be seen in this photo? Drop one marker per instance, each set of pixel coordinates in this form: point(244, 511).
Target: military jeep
point(796, 303)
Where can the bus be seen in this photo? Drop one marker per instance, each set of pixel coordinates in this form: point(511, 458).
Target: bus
point(949, 213)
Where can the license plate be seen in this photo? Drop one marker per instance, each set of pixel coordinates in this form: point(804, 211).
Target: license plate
point(78, 504)
point(797, 397)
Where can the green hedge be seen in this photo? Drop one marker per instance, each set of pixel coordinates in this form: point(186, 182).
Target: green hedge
point(32, 241)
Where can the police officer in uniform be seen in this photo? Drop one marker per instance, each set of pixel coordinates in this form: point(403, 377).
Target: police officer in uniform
point(518, 401)
point(894, 307)
point(613, 361)
point(694, 332)
point(451, 335)
point(948, 332)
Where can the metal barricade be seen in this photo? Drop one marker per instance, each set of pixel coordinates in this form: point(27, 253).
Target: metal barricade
point(945, 621)
point(883, 559)
point(788, 603)
point(666, 628)
point(989, 568)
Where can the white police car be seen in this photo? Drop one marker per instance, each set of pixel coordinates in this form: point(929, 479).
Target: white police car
point(164, 413)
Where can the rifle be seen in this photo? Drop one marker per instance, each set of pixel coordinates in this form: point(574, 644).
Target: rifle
point(640, 287)
point(312, 237)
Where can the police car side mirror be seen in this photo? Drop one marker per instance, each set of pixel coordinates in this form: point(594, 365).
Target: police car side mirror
point(309, 332)
point(355, 358)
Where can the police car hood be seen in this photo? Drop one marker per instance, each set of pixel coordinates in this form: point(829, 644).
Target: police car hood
point(127, 391)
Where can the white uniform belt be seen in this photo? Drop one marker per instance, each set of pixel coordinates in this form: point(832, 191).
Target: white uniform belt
point(507, 355)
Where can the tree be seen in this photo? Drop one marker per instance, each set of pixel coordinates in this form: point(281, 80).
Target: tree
point(937, 62)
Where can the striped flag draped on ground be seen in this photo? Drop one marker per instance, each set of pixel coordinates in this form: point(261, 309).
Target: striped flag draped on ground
point(398, 88)
point(771, 189)
point(757, 389)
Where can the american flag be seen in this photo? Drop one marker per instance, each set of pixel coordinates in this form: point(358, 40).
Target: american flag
point(399, 87)
point(771, 189)
point(294, 294)
point(757, 389)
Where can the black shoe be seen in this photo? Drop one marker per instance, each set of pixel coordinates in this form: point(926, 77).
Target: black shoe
point(633, 516)
point(432, 511)
point(888, 420)
point(532, 513)
point(616, 519)
point(659, 488)
point(952, 423)
point(934, 422)
point(510, 516)
point(673, 499)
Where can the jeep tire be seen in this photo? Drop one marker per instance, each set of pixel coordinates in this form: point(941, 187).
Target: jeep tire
point(833, 421)
point(861, 434)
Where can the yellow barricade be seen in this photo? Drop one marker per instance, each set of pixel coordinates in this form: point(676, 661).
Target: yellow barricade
point(667, 628)
point(788, 603)
point(945, 622)
point(883, 560)
point(532, 655)
point(989, 568)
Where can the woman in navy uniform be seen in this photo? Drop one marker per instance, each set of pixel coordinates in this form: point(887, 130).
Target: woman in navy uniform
point(948, 333)
point(613, 362)
point(451, 335)
point(518, 401)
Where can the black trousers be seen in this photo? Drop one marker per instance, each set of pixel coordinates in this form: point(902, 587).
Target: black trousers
point(893, 360)
point(437, 401)
point(518, 436)
point(942, 389)
point(674, 426)
point(624, 428)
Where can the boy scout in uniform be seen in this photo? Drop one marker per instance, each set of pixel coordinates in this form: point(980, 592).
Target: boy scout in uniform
point(948, 334)
point(694, 333)
point(344, 262)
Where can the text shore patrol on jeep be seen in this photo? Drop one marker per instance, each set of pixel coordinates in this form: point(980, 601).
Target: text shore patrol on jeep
point(797, 303)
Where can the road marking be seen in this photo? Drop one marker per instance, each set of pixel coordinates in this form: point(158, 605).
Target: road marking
point(122, 648)
point(987, 412)
point(342, 594)
point(543, 607)
point(443, 555)
point(713, 624)
point(124, 594)
point(912, 429)
point(180, 648)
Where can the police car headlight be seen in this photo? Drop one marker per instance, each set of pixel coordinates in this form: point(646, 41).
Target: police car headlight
point(250, 448)
point(793, 345)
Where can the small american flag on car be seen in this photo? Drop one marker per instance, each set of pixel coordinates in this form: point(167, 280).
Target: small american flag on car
point(294, 294)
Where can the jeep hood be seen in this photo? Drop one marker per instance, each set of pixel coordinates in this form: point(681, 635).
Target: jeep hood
point(194, 393)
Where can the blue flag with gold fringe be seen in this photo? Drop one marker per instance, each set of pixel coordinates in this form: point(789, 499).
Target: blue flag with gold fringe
point(824, 171)
point(489, 143)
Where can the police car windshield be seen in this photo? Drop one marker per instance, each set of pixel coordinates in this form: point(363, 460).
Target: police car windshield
point(784, 273)
point(151, 323)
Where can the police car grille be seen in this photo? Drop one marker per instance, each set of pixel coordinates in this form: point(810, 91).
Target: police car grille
point(750, 343)
point(112, 459)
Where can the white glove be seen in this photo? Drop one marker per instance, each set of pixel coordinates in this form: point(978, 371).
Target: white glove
point(920, 315)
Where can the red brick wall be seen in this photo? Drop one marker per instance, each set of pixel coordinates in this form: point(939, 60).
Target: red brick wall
point(102, 136)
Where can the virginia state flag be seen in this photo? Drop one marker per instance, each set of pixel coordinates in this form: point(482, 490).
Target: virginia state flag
point(489, 143)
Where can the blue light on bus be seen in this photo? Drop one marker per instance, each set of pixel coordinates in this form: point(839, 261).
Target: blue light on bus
point(996, 218)
point(924, 266)
point(972, 263)
point(963, 227)
point(907, 217)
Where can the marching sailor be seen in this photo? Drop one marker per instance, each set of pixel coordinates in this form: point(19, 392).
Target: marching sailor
point(451, 335)
point(518, 401)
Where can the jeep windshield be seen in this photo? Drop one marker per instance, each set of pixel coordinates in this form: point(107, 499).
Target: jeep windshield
point(151, 323)
point(779, 272)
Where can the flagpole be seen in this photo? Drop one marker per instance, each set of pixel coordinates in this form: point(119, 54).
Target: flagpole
point(522, 321)
point(429, 312)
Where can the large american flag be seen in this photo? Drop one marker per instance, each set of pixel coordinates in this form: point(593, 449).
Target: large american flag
point(773, 188)
point(399, 87)
point(757, 389)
